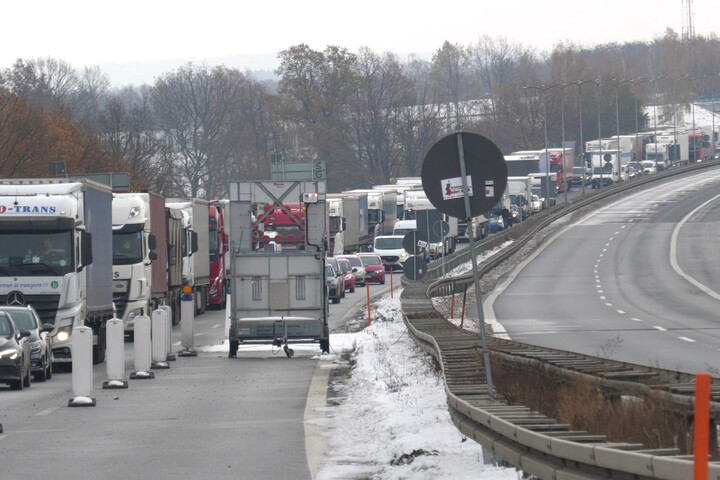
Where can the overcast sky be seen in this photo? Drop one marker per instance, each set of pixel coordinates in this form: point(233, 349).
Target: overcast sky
point(89, 32)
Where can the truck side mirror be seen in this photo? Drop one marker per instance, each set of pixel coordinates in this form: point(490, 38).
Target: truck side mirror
point(193, 242)
point(225, 242)
point(85, 250)
point(152, 256)
point(152, 242)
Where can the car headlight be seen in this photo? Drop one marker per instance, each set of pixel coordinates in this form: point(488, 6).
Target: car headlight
point(9, 353)
point(36, 346)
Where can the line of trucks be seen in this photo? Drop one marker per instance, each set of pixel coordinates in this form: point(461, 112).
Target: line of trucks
point(118, 254)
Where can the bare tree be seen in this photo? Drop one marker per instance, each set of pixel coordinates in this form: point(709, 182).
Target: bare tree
point(192, 107)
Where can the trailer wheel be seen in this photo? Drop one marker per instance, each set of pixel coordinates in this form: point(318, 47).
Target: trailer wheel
point(325, 345)
point(232, 352)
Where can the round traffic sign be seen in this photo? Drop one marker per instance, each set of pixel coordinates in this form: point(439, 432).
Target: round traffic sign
point(414, 242)
point(414, 268)
point(485, 170)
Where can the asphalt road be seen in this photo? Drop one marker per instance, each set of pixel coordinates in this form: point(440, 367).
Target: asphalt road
point(205, 417)
point(635, 281)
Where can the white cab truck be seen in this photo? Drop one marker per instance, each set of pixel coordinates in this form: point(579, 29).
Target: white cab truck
point(195, 247)
point(278, 297)
point(139, 262)
point(56, 255)
point(348, 221)
point(605, 168)
point(440, 230)
point(520, 190)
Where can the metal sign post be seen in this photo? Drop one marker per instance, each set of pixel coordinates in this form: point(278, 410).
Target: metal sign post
point(476, 277)
point(465, 190)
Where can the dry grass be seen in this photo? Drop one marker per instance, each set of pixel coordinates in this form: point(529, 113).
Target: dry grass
point(649, 420)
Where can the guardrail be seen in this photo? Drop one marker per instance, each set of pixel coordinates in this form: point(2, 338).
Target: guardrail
point(502, 428)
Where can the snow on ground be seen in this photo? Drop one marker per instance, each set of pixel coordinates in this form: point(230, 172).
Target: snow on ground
point(391, 418)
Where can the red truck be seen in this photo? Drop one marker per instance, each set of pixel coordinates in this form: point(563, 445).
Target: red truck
point(217, 292)
point(288, 221)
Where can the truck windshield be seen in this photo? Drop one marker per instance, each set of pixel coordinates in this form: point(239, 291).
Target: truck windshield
point(388, 243)
point(35, 253)
point(335, 225)
point(127, 248)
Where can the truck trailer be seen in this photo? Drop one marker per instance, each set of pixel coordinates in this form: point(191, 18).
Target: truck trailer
point(279, 296)
point(56, 244)
point(195, 247)
point(348, 223)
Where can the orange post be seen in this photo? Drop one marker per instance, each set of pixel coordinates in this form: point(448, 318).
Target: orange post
point(367, 284)
point(701, 440)
point(462, 318)
point(391, 283)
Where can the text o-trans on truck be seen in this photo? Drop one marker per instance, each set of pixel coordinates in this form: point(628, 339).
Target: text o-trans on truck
point(56, 255)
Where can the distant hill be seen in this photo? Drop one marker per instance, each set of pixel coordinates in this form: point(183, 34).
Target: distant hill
point(261, 66)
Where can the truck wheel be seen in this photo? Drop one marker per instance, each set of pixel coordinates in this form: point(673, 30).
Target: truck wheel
point(232, 352)
point(325, 346)
point(176, 310)
point(223, 300)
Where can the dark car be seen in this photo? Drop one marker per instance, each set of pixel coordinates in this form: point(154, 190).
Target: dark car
point(374, 268)
point(348, 274)
point(334, 283)
point(14, 354)
point(26, 318)
point(334, 262)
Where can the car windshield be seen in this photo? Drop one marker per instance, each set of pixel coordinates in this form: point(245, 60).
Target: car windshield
point(354, 261)
point(329, 272)
point(402, 231)
point(648, 164)
point(389, 243)
point(344, 265)
point(5, 328)
point(24, 320)
point(370, 260)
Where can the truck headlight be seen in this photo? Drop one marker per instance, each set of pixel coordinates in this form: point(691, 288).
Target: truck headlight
point(63, 333)
point(134, 313)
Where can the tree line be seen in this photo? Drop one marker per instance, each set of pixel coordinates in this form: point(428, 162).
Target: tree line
point(368, 115)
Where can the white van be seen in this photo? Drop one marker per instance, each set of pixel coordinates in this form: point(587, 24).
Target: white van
point(404, 226)
point(391, 251)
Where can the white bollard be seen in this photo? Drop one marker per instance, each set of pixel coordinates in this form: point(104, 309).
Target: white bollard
point(82, 367)
point(159, 339)
point(187, 324)
point(115, 354)
point(169, 315)
point(228, 313)
point(143, 349)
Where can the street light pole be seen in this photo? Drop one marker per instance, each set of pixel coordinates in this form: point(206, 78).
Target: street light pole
point(617, 126)
point(579, 84)
point(543, 88)
point(599, 85)
point(637, 81)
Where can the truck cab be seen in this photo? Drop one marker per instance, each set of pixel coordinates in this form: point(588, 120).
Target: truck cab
point(132, 249)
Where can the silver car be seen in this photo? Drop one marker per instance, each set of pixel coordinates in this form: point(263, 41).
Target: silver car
point(357, 268)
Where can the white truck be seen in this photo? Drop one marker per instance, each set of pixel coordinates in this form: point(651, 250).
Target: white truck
point(278, 297)
point(382, 210)
point(56, 255)
point(195, 247)
point(440, 230)
point(658, 153)
point(139, 262)
point(605, 168)
point(348, 221)
point(520, 191)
